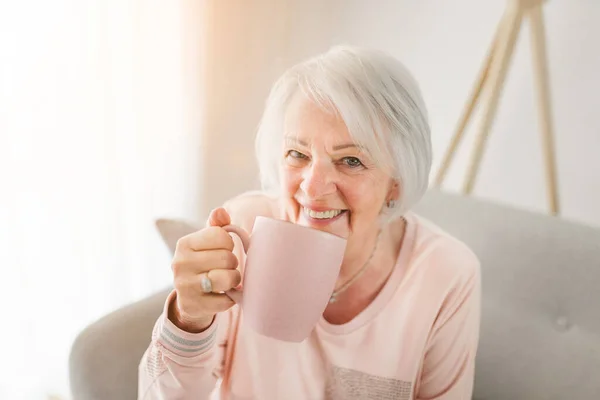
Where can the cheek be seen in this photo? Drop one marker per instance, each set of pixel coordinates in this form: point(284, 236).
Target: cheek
point(364, 197)
point(290, 181)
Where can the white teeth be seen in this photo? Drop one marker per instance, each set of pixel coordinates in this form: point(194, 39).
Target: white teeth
point(322, 214)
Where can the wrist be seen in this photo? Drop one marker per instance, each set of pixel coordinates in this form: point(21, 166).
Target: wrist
point(196, 326)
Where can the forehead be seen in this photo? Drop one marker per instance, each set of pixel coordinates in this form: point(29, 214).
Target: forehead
point(308, 122)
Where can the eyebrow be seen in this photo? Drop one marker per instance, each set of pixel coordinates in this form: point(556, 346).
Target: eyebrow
point(335, 148)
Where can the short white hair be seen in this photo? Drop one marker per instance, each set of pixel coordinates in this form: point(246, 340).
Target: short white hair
point(380, 103)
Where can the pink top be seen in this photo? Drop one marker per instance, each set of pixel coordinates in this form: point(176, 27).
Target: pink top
point(416, 340)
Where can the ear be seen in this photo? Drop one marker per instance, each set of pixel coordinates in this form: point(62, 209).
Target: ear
point(393, 192)
point(171, 230)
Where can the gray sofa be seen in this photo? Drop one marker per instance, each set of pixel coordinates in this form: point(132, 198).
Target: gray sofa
point(540, 333)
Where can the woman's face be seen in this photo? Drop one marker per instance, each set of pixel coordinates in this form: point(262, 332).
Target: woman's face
point(329, 182)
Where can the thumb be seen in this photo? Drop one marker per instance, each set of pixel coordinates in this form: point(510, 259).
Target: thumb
point(218, 217)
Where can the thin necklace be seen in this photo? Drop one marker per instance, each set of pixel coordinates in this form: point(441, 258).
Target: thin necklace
point(346, 285)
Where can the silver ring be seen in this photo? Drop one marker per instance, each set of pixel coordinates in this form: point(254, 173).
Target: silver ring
point(206, 284)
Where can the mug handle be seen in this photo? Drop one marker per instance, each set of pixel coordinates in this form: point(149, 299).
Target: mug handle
point(234, 294)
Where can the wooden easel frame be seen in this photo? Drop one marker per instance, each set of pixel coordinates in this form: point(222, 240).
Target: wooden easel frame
point(491, 77)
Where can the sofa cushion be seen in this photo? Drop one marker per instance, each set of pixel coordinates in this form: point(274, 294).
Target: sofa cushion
point(104, 358)
point(172, 229)
point(540, 332)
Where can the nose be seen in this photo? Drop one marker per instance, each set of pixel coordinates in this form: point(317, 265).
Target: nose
point(318, 180)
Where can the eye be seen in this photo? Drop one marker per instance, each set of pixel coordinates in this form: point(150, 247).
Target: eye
point(352, 162)
point(294, 158)
point(296, 154)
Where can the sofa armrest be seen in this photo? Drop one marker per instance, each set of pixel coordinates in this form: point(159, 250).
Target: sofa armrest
point(104, 358)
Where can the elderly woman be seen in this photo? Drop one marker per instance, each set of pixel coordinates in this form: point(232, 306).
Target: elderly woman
point(344, 146)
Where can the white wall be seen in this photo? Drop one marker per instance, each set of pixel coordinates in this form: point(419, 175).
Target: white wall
point(444, 42)
point(244, 52)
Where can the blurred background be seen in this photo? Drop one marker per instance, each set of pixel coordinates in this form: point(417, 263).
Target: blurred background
point(114, 113)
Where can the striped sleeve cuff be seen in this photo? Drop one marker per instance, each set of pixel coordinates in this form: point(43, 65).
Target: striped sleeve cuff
point(180, 342)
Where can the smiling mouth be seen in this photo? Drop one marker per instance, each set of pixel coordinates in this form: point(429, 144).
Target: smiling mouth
point(322, 215)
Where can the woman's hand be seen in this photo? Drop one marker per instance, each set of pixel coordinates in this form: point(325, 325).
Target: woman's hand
point(206, 252)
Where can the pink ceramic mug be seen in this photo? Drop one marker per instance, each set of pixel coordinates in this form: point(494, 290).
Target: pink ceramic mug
point(289, 275)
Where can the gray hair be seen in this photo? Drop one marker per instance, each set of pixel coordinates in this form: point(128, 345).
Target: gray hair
point(380, 104)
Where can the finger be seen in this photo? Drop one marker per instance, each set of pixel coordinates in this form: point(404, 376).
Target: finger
point(218, 217)
point(210, 238)
point(222, 280)
point(194, 263)
point(211, 303)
